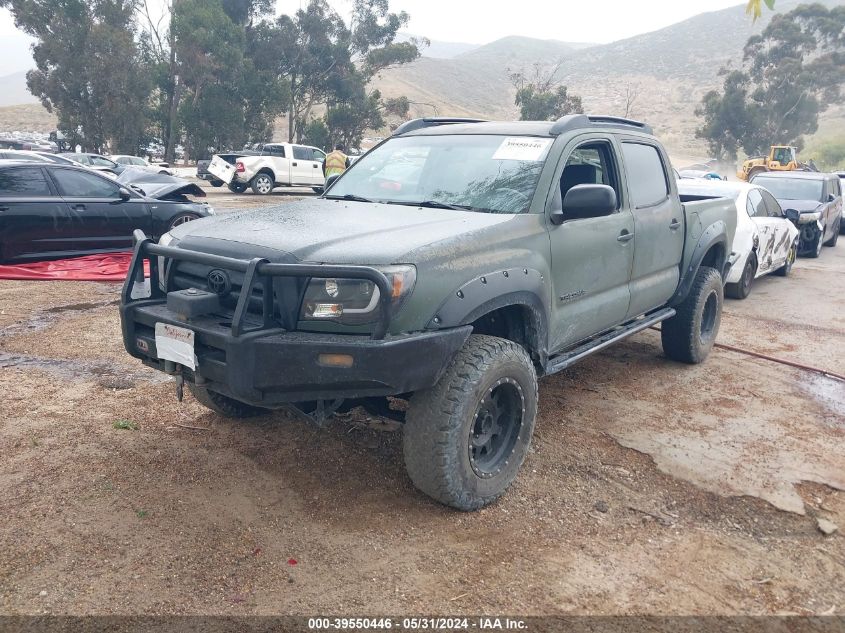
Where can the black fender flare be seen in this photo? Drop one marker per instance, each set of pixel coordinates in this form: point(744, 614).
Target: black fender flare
point(714, 235)
point(500, 289)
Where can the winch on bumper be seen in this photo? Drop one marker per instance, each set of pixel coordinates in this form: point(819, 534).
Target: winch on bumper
point(255, 361)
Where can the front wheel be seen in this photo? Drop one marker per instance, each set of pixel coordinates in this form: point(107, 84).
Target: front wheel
point(262, 184)
point(815, 244)
point(791, 256)
point(181, 219)
point(237, 187)
point(689, 336)
point(466, 438)
point(835, 237)
point(742, 288)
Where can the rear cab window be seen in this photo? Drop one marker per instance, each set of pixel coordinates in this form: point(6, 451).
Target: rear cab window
point(647, 181)
point(23, 182)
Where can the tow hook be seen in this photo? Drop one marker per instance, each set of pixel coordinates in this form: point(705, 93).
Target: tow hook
point(173, 369)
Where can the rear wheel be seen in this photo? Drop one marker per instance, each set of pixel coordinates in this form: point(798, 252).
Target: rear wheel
point(835, 237)
point(262, 184)
point(742, 288)
point(689, 336)
point(784, 270)
point(237, 187)
point(217, 183)
point(224, 405)
point(465, 438)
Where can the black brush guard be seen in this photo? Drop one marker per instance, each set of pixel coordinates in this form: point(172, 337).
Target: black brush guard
point(256, 361)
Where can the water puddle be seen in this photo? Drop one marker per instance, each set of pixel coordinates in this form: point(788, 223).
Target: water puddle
point(830, 394)
point(105, 373)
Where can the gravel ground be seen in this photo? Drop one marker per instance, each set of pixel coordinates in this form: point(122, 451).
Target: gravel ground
point(651, 487)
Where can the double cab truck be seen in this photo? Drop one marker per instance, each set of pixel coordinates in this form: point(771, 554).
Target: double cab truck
point(271, 165)
point(434, 282)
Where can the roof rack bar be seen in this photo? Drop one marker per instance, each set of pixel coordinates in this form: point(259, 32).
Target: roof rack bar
point(579, 121)
point(417, 124)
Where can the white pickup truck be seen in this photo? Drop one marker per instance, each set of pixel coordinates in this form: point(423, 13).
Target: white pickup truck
point(269, 166)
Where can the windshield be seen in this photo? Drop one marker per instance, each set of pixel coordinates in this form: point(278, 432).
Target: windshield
point(489, 173)
point(792, 188)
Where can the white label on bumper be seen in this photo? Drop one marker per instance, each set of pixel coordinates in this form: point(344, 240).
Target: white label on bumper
point(176, 344)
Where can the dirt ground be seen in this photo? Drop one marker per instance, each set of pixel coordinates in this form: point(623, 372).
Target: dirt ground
point(651, 488)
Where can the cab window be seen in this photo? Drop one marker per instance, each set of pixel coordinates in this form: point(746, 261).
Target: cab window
point(646, 175)
point(590, 164)
point(303, 153)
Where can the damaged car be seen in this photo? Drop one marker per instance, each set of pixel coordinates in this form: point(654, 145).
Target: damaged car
point(766, 241)
point(52, 211)
point(816, 200)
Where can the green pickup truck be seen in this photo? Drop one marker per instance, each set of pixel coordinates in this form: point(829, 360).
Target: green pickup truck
point(434, 282)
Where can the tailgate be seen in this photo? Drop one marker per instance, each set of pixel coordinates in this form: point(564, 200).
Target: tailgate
point(219, 168)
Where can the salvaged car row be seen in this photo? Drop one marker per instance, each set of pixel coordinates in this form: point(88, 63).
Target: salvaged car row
point(436, 279)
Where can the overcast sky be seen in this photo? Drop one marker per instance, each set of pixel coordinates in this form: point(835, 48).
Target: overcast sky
point(477, 21)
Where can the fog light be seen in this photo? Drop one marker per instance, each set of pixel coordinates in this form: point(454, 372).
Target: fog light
point(327, 310)
point(344, 361)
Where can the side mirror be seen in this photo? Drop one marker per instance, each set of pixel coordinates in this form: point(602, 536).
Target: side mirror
point(330, 181)
point(793, 215)
point(585, 201)
point(124, 194)
point(831, 197)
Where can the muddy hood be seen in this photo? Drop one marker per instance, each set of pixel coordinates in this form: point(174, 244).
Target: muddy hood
point(337, 232)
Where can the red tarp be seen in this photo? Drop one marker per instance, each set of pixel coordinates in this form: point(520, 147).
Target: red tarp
point(106, 267)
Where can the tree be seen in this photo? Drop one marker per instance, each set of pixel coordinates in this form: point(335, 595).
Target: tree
point(88, 69)
point(630, 93)
point(791, 72)
point(540, 97)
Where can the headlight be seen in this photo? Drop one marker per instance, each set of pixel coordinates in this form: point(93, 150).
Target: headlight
point(813, 216)
point(355, 301)
point(165, 240)
point(209, 209)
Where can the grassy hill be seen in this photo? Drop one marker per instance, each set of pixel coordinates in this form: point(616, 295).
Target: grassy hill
point(671, 69)
point(28, 117)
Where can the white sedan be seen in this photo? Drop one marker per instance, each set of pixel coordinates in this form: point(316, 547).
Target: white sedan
point(141, 163)
point(766, 240)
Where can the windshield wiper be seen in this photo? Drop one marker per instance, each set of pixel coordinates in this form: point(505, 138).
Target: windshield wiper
point(436, 204)
point(351, 197)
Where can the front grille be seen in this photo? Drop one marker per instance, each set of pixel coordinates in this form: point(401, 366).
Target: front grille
point(189, 275)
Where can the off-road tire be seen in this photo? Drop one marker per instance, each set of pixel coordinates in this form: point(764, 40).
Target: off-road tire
point(689, 336)
point(742, 288)
point(441, 424)
point(318, 190)
point(262, 184)
point(835, 238)
point(224, 405)
point(237, 187)
point(791, 256)
point(216, 183)
point(756, 171)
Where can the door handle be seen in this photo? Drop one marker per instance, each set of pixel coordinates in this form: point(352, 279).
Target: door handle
point(674, 225)
point(4, 208)
point(315, 166)
point(79, 207)
point(295, 164)
point(624, 236)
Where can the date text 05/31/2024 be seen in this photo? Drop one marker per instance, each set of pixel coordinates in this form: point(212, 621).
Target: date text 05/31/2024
point(418, 624)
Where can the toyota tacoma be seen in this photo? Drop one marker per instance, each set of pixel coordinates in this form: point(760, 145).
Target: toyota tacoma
point(434, 282)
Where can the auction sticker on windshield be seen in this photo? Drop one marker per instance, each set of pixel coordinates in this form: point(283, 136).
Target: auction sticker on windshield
point(522, 148)
point(176, 344)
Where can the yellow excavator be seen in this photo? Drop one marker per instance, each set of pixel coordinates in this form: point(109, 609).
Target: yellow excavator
point(780, 158)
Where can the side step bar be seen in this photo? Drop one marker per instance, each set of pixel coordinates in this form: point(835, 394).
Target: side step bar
point(562, 361)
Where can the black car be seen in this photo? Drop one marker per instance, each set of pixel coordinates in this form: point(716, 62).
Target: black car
point(817, 199)
point(96, 161)
point(52, 211)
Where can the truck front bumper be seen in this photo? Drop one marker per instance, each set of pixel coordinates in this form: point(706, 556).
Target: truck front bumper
point(272, 367)
point(252, 359)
